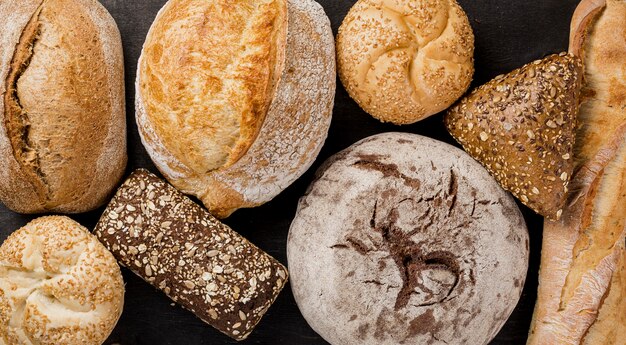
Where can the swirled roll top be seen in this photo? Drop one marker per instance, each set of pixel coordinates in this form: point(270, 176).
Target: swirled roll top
point(58, 285)
point(405, 60)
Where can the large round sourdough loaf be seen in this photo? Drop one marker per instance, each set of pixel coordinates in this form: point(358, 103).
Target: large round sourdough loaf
point(58, 285)
point(406, 240)
point(234, 99)
point(63, 127)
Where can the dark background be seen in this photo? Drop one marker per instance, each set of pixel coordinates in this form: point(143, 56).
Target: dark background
point(509, 33)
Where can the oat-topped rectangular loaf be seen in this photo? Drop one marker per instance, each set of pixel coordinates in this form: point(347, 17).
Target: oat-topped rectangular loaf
point(200, 263)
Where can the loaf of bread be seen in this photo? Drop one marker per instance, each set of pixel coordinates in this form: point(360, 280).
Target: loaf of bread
point(58, 285)
point(200, 263)
point(406, 240)
point(63, 128)
point(234, 99)
point(405, 60)
point(582, 282)
point(521, 127)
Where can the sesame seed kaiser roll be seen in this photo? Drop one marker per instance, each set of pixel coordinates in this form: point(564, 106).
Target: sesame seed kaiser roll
point(521, 127)
point(405, 60)
point(58, 285)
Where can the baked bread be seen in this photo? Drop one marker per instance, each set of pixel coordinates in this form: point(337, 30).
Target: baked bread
point(58, 285)
point(177, 246)
point(521, 127)
point(63, 127)
point(406, 240)
point(582, 282)
point(405, 60)
point(248, 109)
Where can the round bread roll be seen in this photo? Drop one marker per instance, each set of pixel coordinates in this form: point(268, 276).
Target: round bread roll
point(234, 99)
point(405, 60)
point(58, 285)
point(62, 106)
point(406, 240)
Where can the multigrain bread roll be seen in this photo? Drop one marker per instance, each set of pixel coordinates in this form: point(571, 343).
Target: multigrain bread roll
point(405, 60)
point(406, 240)
point(234, 99)
point(63, 127)
point(521, 127)
point(58, 285)
point(582, 282)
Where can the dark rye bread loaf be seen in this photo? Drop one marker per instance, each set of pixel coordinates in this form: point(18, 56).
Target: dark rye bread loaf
point(406, 240)
point(200, 263)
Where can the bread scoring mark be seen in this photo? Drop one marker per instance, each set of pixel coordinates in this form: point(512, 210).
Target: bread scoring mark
point(388, 170)
point(412, 261)
point(16, 118)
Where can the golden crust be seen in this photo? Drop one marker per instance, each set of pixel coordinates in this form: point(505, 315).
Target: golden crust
point(405, 60)
point(582, 281)
point(292, 133)
point(63, 136)
point(68, 285)
point(207, 78)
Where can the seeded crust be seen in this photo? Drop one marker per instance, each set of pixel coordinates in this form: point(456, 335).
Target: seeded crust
point(200, 263)
point(406, 240)
point(405, 60)
point(58, 285)
point(521, 127)
point(62, 132)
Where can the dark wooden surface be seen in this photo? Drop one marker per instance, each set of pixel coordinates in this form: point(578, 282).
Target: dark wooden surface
point(508, 33)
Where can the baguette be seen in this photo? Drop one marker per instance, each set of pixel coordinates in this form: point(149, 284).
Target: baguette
point(582, 281)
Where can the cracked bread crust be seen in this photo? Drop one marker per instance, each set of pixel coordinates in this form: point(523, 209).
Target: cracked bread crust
point(291, 136)
point(62, 134)
point(390, 246)
point(58, 285)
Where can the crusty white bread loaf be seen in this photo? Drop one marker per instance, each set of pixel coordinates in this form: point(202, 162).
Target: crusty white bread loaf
point(58, 285)
point(63, 127)
point(234, 109)
point(405, 60)
point(582, 283)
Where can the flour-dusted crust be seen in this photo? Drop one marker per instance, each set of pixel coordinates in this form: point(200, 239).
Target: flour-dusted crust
point(405, 60)
point(73, 97)
point(15, 187)
point(582, 282)
point(292, 134)
point(58, 285)
point(406, 240)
